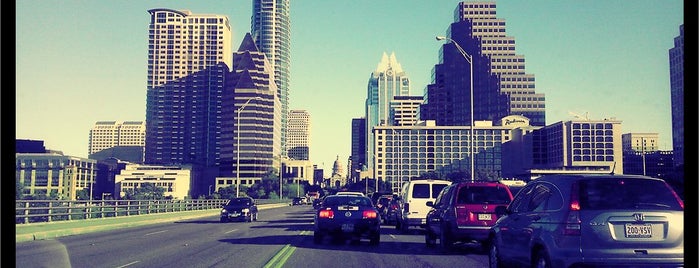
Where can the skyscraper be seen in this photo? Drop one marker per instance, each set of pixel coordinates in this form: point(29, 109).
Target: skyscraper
point(676, 57)
point(387, 81)
point(251, 127)
point(181, 43)
point(501, 86)
point(188, 57)
point(358, 150)
point(271, 31)
point(298, 136)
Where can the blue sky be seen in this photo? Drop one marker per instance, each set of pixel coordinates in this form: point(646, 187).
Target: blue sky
point(79, 62)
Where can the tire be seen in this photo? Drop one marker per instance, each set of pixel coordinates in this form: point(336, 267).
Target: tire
point(493, 258)
point(255, 217)
point(224, 220)
point(541, 259)
point(317, 237)
point(375, 239)
point(445, 241)
point(430, 239)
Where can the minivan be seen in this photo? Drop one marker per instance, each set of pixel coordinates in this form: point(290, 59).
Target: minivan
point(414, 195)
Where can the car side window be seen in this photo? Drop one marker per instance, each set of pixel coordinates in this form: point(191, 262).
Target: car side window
point(443, 197)
point(521, 202)
point(539, 198)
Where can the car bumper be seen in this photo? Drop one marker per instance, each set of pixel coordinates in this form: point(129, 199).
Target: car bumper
point(236, 216)
point(464, 233)
point(357, 228)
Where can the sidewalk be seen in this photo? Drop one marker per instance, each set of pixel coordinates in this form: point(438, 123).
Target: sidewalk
point(50, 230)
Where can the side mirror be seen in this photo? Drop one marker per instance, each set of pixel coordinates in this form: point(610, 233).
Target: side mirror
point(430, 203)
point(501, 211)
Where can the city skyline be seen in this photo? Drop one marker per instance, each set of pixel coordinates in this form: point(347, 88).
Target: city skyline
point(84, 62)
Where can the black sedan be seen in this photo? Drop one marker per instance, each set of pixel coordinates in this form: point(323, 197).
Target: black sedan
point(240, 208)
point(344, 217)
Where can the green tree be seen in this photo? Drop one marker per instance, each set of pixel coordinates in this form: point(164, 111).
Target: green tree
point(145, 191)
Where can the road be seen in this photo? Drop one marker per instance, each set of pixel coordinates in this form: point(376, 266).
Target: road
point(282, 237)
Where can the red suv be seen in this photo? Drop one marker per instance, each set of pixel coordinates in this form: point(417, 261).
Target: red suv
point(464, 212)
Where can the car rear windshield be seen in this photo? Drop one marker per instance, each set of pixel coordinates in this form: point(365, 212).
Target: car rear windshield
point(239, 202)
point(422, 190)
point(615, 193)
point(482, 195)
point(347, 200)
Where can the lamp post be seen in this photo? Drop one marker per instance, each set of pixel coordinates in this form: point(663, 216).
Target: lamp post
point(237, 165)
point(469, 59)
point(643, 154)
point(281, 173)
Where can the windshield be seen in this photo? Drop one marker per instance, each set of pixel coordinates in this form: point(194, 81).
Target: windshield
point(626, 194)
point(239, 202)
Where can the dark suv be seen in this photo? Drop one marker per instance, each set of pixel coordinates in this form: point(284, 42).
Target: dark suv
point(239, 208)
point(464, 212)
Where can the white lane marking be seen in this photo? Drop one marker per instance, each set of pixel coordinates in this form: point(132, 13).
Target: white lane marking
point(231, 231)
point(129, 264)
point(155, 232)
point(392, 236)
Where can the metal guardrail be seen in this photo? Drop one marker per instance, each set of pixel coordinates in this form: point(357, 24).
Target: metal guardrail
point(34, 211)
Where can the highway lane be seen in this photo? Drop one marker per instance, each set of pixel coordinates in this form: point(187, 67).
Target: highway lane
point(281, 238)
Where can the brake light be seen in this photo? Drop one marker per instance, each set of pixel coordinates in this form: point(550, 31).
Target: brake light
point(572, 224)
point(326, 214)
point(369, 214)
point(679, 200)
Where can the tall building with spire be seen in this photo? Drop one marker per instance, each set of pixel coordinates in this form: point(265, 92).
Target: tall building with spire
point(251, 123)
point(271, 31)
point(386, 82)
point(501, 86)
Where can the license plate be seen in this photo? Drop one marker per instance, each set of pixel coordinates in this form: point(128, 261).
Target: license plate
point(638, 230)
point(347, 227)
point(484, 217)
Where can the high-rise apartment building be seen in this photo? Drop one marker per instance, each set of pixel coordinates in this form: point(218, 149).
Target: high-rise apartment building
point(109, 134)
point(181, 43)
point(271, 31)
point(188, 58)
point(386, 82)
point(501, 86)
point(298, 135)
point(676, 57)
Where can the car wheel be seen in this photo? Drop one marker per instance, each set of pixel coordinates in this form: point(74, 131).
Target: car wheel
point(541, 259)
point(375, 239)
point(255, 218)
point(224, 219)
point(404, 227)
point(445, 241)
point(493, 258)
point(317, 237)
point(430, 239)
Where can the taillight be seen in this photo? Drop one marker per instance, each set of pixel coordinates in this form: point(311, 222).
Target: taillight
point(326, 214)
point(572, 224)
point(369, 214)
point(679, 200)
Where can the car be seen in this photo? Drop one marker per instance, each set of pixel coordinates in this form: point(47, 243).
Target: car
point(464, 212)
point(414, 195)
point(298, 201)
point(393, 211)
point(590, 220)
point(350, 193)
point(376, 195)
point(382, 206)
point(239, 209)
point(343, 217)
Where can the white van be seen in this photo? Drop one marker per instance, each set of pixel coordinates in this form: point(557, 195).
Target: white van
point(414, 196)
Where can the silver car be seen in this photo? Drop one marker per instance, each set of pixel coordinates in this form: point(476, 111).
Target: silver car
point(590, 220)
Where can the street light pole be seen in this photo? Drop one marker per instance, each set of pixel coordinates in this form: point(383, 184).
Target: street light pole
point(237, 165)
point(469, 59)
